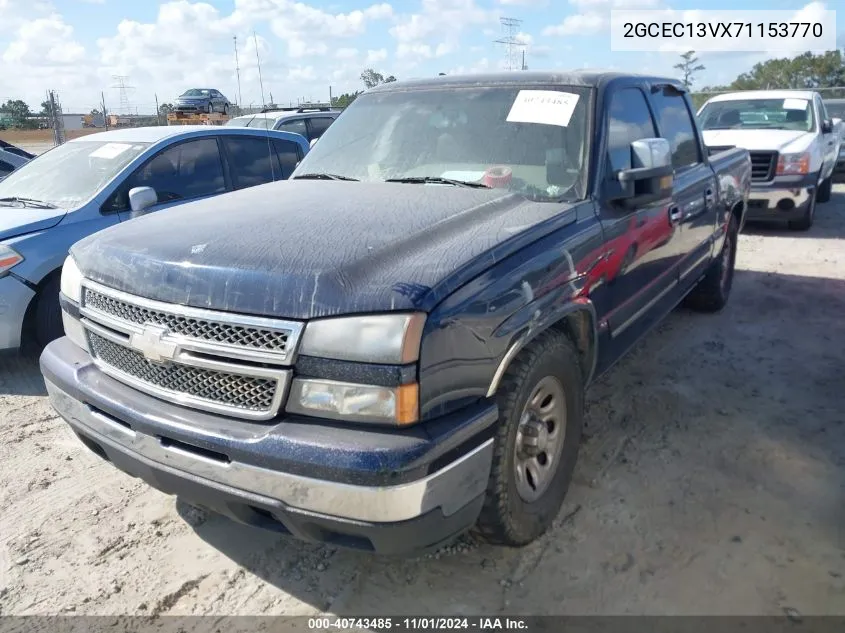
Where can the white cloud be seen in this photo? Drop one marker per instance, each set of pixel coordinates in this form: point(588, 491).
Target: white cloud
point(346, 53)
point(375, 56)
point(523, 3)
point(440, 20)
point(594, 16)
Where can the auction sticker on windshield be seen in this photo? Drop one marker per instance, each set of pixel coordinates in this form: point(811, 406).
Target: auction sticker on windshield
point(550, 107)
point(795, 104)
point(109, 150)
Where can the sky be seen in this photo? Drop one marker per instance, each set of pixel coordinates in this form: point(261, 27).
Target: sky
point(309, 47)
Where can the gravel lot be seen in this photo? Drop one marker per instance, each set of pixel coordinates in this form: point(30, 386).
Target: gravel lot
point(711, 480)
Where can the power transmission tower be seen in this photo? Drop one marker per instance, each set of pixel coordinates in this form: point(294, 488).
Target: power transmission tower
point(238, 71)
point(510, 27)
point(123, 93)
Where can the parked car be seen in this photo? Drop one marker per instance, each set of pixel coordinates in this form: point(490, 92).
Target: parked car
point(793, 149)
point(12, 157)
point(836, 110)
point(202, 100)
point(100, 180)
point(400, 351)
point(309, 122)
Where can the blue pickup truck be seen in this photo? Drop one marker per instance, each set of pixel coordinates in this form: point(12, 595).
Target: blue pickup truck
point(103, 179)
point(392, 347)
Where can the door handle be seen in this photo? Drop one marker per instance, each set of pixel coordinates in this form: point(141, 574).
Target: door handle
point(675, 215)
point(709, 198)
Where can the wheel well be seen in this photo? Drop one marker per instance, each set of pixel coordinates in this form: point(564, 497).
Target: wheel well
point(578, 326)
point(28, 327)
point(738, 210)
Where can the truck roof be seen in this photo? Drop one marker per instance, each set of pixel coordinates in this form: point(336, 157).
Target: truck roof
point(765, 94)
point(593, 78)
point(154, 134)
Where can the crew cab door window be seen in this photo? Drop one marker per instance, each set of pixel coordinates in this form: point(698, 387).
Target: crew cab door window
point(252, 160)
point(183, 171)
point(5, 169)
point(289, 155)
point(319, 125)
point(676, 125)
point(297, 126)
point(629, 120)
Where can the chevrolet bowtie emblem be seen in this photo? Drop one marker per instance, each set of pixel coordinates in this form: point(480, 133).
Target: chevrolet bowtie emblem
point(150, 342)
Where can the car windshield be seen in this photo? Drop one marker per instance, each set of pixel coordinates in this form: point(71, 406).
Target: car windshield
point(791, 113)
point(70, 174)
point(241, 121)
point(835, 110)
point(530, 141)
point(195, 92)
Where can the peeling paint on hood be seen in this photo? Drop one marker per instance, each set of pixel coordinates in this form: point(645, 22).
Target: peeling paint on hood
point(304, 249)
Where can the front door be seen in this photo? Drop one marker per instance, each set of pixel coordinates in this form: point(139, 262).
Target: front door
point(641, 252)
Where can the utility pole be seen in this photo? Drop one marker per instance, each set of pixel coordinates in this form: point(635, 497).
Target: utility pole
point(105, 114)
point(238, 71)
point(258, 60)
point(511, 27)
point(158, 111)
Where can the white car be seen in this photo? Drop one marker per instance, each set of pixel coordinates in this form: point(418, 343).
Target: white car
point(793, 147)
point(11, 158)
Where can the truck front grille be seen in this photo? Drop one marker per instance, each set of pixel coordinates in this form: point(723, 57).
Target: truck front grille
point(763, 165)
point(226, 333)
point(236, 365)
point(248, 393)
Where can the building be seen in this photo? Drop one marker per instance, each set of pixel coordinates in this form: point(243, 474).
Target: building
point(73, 121)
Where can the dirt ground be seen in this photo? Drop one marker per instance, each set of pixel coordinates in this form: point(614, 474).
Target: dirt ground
point(711, 481)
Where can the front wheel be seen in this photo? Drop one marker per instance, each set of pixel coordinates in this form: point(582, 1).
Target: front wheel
point(541, 401)
point(809, 216)
point(825, 189)
point(210, 108)
point(48, 313)
point(712, 293)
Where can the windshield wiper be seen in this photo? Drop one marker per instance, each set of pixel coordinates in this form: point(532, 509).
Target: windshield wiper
point(323, 177)
point(30, 202)
point(438, 180)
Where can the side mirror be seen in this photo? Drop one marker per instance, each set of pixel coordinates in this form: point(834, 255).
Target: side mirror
point(141, 199)
point(651, 176)
point(313, 142)
point(827, 126)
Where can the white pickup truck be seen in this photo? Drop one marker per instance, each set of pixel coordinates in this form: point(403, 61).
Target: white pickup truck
point(793, 147)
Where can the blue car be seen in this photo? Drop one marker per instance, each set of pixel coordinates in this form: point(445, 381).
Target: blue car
point(202, 100)
point(100, 180)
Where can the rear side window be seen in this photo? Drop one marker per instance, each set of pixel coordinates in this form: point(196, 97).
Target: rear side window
point(296, 126)
point(676, 126)
point(181, 172)
point(252, 160)
point(629, 120)
point(319, 125)
point(289, 154)
point(5, 168)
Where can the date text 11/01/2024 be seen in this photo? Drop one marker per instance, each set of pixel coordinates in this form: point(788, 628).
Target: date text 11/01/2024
point(775, 30)
point(376, 624)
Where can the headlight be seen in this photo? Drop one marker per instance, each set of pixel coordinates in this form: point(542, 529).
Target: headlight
point(382, 338)
point(353, 402)
point(9, 257)
point(71, 285)
point(794, 164)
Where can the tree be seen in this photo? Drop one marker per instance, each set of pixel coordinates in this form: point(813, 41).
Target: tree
point(688, 66)
point(345, 99)
point(46, 109)
point(18, 111)
point(389, 79)
point(371, 78)
point(165, 108)
point(95, 112)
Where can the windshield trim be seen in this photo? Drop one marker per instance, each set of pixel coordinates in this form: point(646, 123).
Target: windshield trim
point(579, 192)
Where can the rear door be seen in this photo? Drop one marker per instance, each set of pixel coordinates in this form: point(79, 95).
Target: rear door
point(639, 264)
point(693, 214)
point(252, 160)
point(317, 125)
point(297, 126)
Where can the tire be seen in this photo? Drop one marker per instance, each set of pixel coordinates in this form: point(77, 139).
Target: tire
point(825, 188)
point(809, 215)
point(225, 109)
point(549, 364)
point(713, 291)
point(211, 108)
point(48, 313)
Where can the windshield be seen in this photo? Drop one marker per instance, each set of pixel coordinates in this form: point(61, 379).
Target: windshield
point(758, 114)
point(529, 141)
point(195, 92)
point(70, 174)
point(261, 122)
point(241, 121)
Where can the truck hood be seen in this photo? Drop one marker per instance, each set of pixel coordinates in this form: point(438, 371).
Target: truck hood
point(305, 249)
point(16, 221)
point(786, 141)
